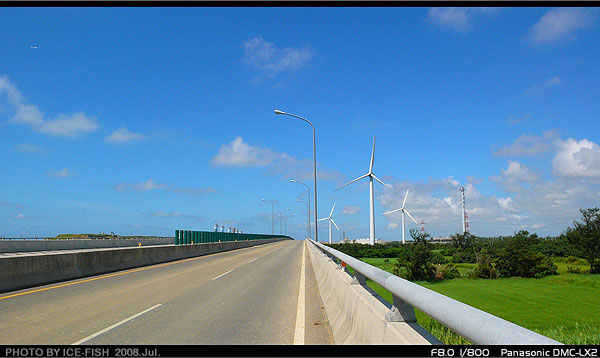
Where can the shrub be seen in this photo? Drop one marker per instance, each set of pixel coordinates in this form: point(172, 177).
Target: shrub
point(484, 265)
point(416, 259)
point(450, 271)
point(438, 259)
point(518, 259)
point(464, 256)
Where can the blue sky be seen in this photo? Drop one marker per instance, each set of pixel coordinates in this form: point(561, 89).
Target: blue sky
point(143, 121)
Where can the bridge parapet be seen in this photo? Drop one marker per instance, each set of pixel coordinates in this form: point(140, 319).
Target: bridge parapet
point(477, 326)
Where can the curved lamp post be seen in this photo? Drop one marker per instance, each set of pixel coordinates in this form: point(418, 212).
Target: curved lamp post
point(314, 165)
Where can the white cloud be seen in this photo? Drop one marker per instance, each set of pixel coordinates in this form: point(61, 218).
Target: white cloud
point(123, 136)
point(515, 177)
point(458, 19)
point(30, 148)
point(165, 215)
point(577, 159)
point(19, 216)
point(539, 87)
point(474, 180)
point(505, 203)
point(527, 145)
point(266, 57)
point(516, 120)
point(240, 154)
point(350, 210)
point(61, 174)
point(546, 207)
point(561, 24)
point(148, 185)
point(69, 126)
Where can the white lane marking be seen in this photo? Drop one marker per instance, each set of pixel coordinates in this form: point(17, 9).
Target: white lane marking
point(252, 260)
point(223, 274)
point(115, 325)
point(300, 313)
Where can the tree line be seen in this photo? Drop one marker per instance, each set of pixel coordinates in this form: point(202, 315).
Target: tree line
point(523, 254)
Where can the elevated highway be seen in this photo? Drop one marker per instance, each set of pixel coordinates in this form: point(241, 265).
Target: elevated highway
point(245, 296)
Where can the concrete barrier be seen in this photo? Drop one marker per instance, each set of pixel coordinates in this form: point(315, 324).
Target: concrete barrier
point(48, 245)
point(356, 313)
point(18, 272)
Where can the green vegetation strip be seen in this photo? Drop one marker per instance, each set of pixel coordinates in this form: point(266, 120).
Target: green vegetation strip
point(563, 307)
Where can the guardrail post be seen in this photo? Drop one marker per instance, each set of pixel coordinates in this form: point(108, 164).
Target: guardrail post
point(358, 279)
point(400, 312)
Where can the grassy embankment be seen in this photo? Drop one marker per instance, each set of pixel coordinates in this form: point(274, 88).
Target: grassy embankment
point(563, 307)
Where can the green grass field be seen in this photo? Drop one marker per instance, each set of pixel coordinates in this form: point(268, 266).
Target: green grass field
point(563, 307)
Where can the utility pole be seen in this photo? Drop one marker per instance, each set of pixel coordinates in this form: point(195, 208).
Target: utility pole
point(462, 197)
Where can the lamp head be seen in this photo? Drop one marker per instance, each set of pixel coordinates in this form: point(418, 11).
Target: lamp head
point(293, 181)
point(279, 112)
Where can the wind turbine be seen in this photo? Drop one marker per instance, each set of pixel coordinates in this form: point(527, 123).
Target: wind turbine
point(403, 211)
point(330, 221)
point(371, 176)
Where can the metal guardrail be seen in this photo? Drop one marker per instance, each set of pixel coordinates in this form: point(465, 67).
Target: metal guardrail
point(477, 326)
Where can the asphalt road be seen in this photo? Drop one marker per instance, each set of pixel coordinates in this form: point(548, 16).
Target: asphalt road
point(246, 296)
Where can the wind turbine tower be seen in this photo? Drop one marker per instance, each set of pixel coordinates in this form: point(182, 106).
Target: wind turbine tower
point(371, 176)
point(330, 221)
point(462, 199)
point(404, 211)
point(422, 227)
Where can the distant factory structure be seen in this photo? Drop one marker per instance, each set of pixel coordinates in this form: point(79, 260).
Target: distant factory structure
point(365, 240)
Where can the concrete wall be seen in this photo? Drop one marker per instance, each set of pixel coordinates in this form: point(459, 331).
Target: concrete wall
point(356, 313)
point(18, 272)
point(45, 245)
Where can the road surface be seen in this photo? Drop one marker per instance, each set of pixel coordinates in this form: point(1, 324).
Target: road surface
point(246, 296)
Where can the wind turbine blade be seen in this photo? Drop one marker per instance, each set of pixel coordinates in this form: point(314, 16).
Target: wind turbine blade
point(331, 213)
point(359, 178)
point(384, 184)
point(391, 212)
point(335, 224)
point(372, 156)
point(322, 219)
point(410, 216)
point(406, 195)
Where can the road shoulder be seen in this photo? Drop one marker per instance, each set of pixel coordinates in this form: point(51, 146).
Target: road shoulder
point(318, 330)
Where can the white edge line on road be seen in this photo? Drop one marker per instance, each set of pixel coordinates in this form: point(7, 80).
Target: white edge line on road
point(221, 275)
point(115, 325)
point(252, 260)
point(300, 313)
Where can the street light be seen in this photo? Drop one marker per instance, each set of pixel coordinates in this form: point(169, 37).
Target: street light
point(314, 165)
point(308, 189)
point(280, 222)
point(308, 205)
point(272, 215)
